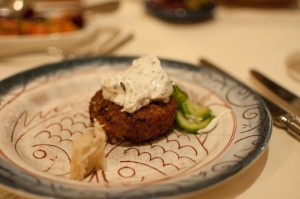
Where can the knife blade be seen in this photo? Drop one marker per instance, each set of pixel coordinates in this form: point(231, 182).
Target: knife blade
point(293, 101)
point(280, 117)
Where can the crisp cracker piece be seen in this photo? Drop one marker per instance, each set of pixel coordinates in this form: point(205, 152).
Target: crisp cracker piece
point(88, 152)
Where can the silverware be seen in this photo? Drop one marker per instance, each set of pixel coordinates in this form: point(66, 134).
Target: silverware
point(281, 118)
point(74, 40)
point(284, 120)
point(102, 42)
point(102, 7)
point(43, 7)
point(104, 45)
point(293, 101)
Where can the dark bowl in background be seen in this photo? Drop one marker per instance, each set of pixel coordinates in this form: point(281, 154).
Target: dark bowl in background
point(181, 15)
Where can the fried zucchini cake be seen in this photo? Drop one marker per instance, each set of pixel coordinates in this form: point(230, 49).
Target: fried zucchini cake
point(147, 123)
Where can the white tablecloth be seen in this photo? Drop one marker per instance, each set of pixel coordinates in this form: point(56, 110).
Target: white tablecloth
point(236, 39)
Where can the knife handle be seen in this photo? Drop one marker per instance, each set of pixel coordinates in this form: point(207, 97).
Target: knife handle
point(292, 124)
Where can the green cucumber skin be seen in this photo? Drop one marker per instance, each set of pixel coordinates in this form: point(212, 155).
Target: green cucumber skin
point(190, 108)
point(190, 126)
point(179, 95)
point(187, 108)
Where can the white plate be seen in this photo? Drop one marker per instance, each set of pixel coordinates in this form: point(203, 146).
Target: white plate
point(23, 43)
point(44, 109)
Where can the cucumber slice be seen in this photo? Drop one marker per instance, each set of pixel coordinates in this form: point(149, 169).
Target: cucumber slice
point(189, 115)
point(190, 108)
point(190, 125)
point(179, 95)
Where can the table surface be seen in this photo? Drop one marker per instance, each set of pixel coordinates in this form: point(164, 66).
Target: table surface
point(237, 39)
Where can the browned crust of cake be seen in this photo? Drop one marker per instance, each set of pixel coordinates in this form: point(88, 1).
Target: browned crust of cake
point(147, 123)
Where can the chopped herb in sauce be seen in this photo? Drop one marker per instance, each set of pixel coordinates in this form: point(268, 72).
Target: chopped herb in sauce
point(143, 82)
point(123, 86)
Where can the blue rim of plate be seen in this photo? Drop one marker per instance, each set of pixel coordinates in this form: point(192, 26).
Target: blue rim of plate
point(19, 180)
point(181, 15)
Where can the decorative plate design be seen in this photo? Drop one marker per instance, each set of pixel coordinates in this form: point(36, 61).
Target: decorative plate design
point(42, 110)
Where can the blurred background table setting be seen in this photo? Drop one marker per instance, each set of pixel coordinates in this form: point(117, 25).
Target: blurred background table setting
point(236, 35)
point(59, 29)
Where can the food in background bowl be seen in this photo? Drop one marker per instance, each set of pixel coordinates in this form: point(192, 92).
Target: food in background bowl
point(44, 17)
point(41, 25)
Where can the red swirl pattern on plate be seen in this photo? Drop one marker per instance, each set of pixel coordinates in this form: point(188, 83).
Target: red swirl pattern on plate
point(43, 127)
point(43, 110)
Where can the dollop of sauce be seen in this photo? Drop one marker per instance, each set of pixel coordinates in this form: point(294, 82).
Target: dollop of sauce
point(143, 82)
point(213, 123)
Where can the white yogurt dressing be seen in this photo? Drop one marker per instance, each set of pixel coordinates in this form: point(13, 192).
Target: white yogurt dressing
point(145, 81)
point(213, 123)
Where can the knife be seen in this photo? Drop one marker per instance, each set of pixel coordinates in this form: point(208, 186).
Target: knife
point(284, 120)
point(293, 101)
point(281, 118)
